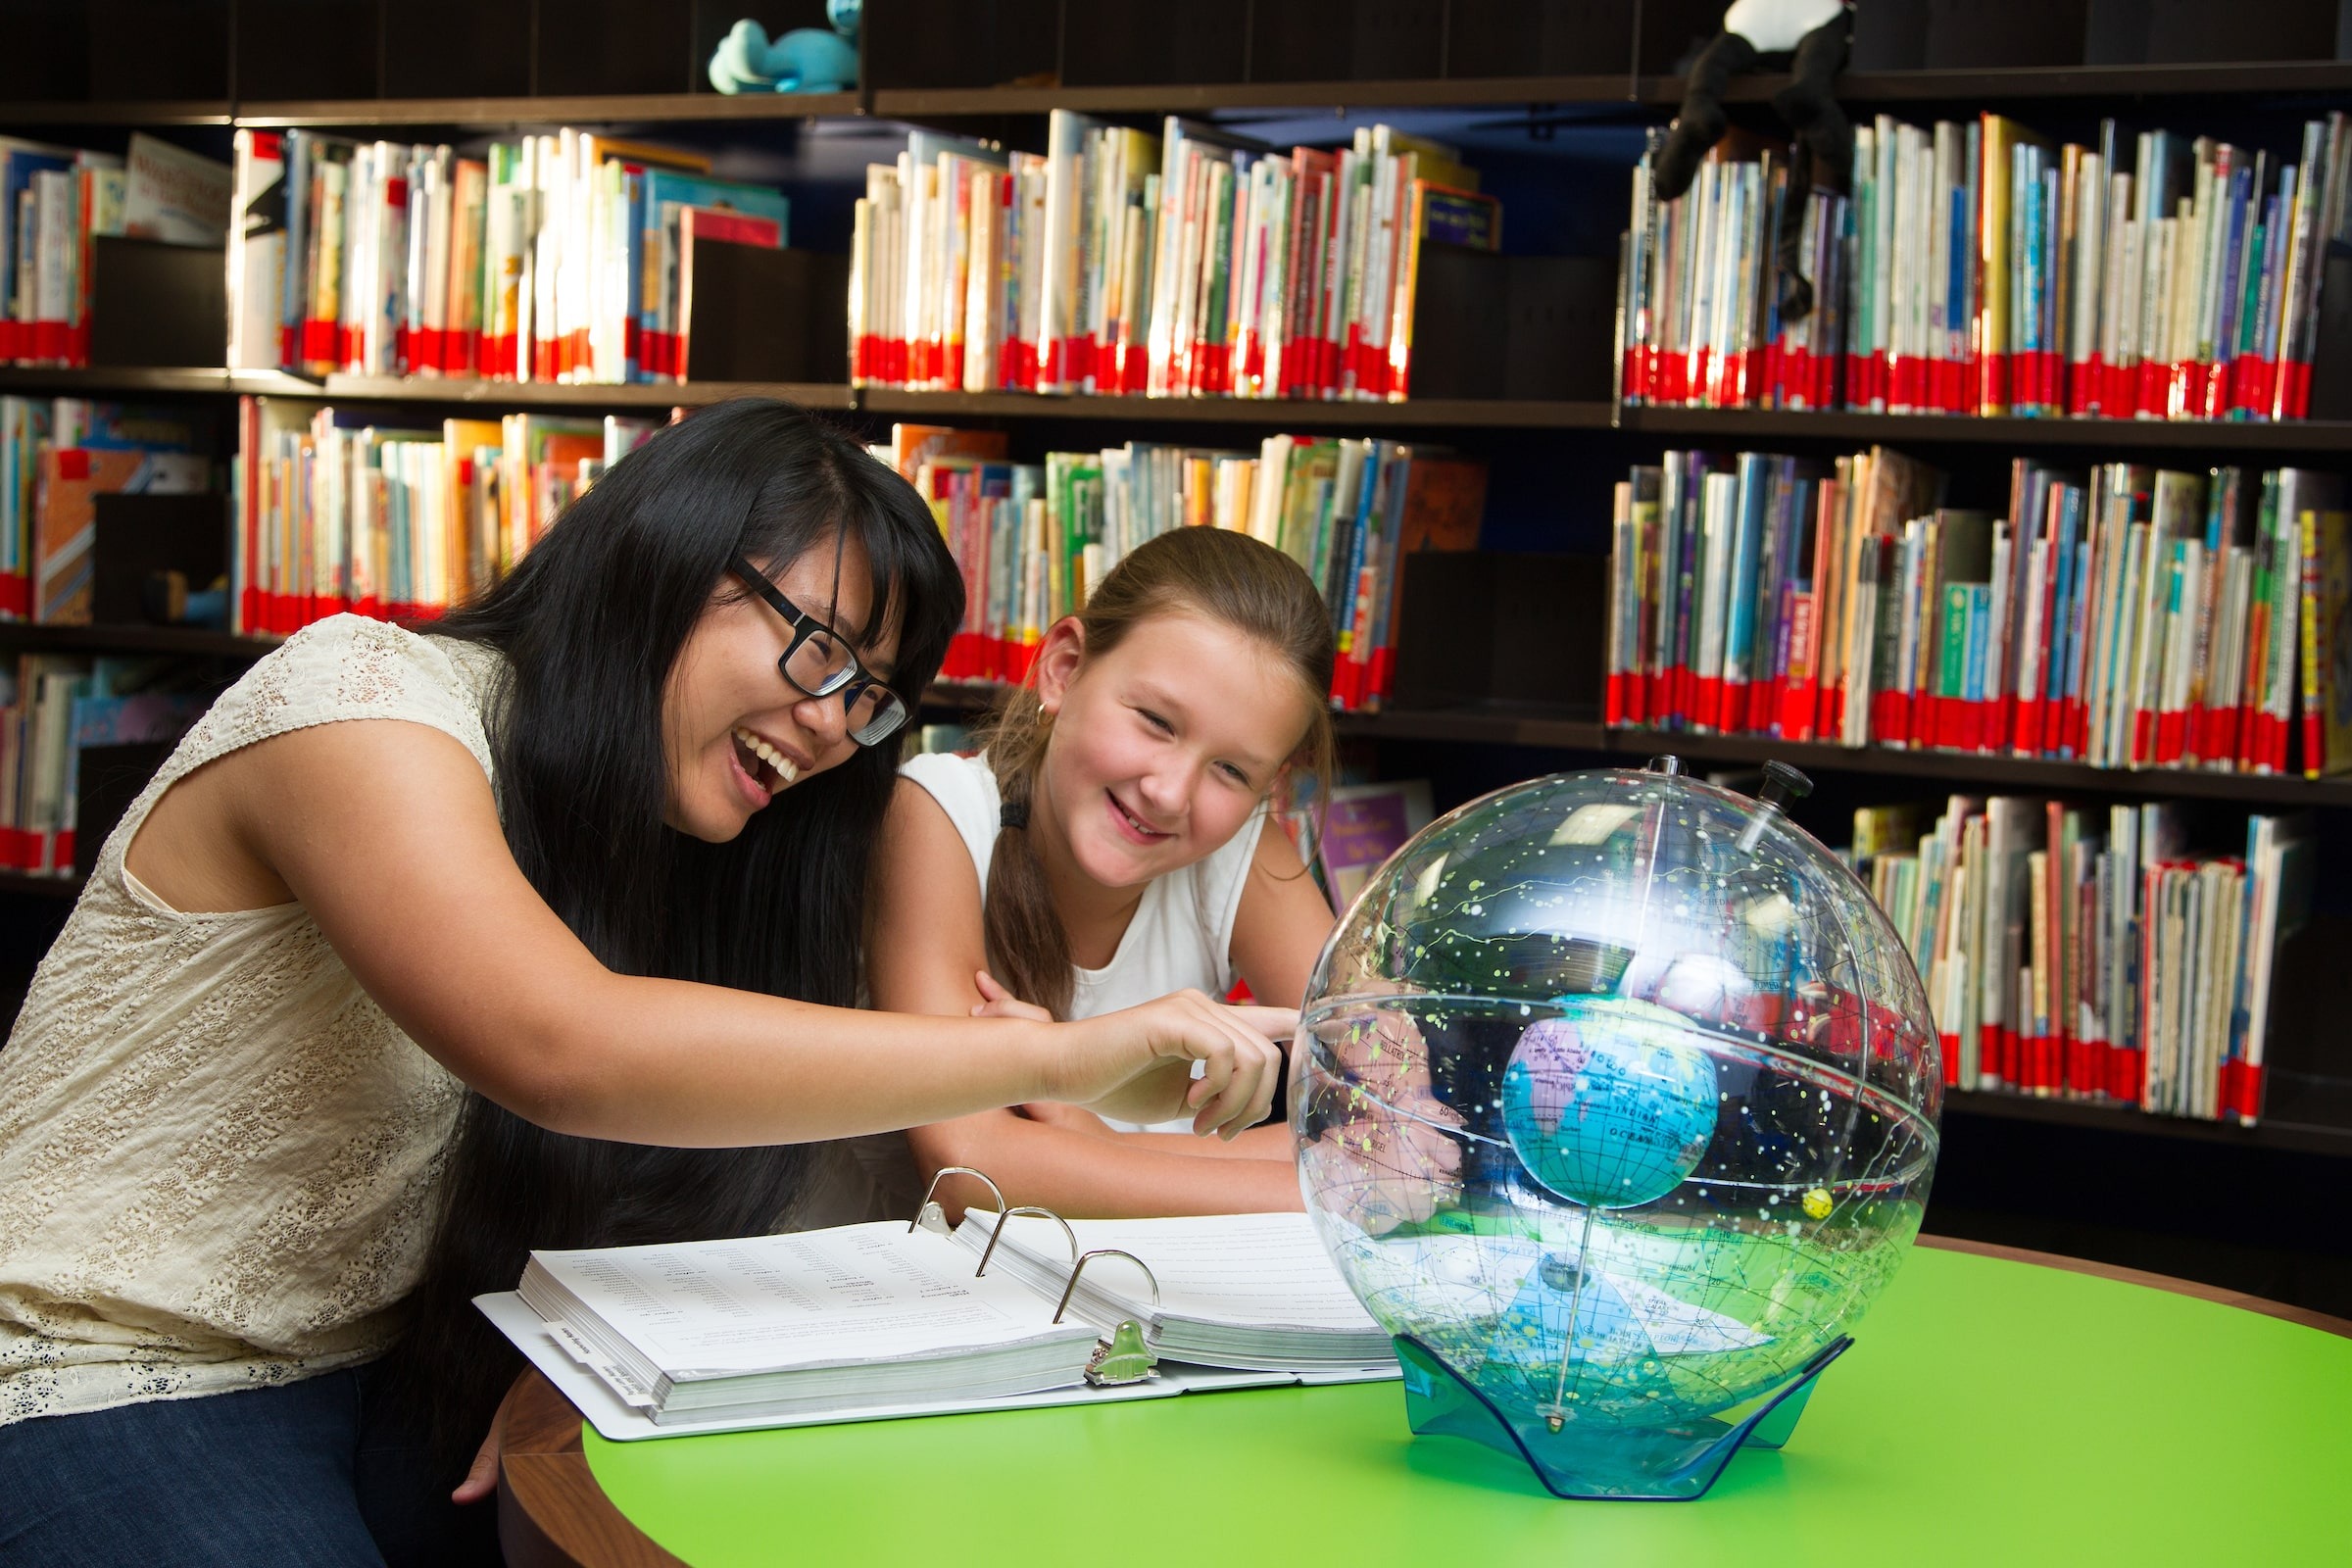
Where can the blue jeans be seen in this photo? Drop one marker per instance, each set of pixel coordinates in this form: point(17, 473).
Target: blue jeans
point(307, 1473)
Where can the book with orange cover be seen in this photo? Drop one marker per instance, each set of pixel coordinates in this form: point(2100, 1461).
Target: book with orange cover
point(913, 445)
point(65, 526)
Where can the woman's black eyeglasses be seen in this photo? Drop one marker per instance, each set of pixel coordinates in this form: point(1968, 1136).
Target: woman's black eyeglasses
point(819, 664)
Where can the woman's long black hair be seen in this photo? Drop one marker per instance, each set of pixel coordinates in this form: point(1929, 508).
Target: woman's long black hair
point(590, 623)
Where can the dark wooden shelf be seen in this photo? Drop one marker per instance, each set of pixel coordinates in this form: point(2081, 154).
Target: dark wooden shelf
point(1424, 414)
point(114, 378)
point(2022, 82)
point(2287, 438)
point(1569, 732)
point(36, 884)
point(119, 111)
point(2035, 773)
point(574, 395)
point(1487, 726)
point(32, 636)
point(960, 699)
point(1623, 89)
point(1189, 98)
point(497, 114)
point(2308, 1138)
point(2195, 435)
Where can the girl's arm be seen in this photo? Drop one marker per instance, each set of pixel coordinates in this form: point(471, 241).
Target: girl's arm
point(387, 834)
point(924, 949)
point(1283, 922)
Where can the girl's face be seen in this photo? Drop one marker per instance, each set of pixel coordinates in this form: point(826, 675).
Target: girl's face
point(736, 733)
point(1163, 746)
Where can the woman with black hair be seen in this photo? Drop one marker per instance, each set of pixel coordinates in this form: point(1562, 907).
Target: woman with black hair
point(423, 950)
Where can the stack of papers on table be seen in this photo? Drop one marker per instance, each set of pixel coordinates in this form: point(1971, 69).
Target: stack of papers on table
point(822, 1320)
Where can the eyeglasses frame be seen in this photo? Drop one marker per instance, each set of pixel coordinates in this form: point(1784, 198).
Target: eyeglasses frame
point(850, 681)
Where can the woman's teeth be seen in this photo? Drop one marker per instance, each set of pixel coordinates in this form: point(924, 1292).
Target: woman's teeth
point(782, 765)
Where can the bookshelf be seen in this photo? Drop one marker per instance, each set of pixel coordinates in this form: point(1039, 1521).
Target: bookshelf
point(485, 115)
point(472, 392)
point(31, 884)
point(1964, 768)
point(34, 637)
point(971, 66)
point(2282, 439)
point(2280, 1133)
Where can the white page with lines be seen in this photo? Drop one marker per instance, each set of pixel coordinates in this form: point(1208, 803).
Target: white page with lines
point(1246, 1270)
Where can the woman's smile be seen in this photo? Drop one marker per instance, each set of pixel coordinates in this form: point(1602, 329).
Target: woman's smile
point(767, 768)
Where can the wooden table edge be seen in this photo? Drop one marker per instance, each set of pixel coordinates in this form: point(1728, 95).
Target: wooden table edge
point(552, 1514)
point(551, 1511)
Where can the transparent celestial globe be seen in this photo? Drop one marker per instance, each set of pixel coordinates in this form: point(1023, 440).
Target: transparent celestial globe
point(1616, 1098)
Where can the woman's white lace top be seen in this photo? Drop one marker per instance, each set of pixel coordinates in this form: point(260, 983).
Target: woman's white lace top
point(219, 1159)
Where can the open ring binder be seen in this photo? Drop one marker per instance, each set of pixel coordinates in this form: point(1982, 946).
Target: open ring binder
point(1123, 1357)
point(873, 1321)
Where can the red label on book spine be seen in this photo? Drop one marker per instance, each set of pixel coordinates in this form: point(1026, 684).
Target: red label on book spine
point(1888, 717)
point(1732, 710)
point(2294, 390)
point(2262, 382)
point(1800, 706)
point(1707, 710)
point(1992, 380)
point(2131, 1068)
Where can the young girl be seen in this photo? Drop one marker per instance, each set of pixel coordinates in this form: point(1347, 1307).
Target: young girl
point(415, 951)
point(1109, 845)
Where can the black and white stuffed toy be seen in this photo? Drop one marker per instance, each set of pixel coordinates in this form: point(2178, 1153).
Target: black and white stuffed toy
point(1814, 33)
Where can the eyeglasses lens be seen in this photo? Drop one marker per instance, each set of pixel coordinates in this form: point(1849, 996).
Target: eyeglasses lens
point(874, 714)
point(819, 664)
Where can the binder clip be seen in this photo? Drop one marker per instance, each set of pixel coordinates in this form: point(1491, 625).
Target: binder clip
point(1123, 1358)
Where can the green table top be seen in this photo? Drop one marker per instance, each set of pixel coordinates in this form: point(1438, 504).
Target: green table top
point(1989, 1412)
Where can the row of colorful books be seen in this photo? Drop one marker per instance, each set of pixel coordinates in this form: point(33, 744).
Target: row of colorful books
point(1034, 538)
point(56, 456)
point(52, 706)
point(2125, 617)
point(1192, 263)
point(2064, 962)
point(1978, 270)
point(56, 201)
point(375, 511)
point(551, 258)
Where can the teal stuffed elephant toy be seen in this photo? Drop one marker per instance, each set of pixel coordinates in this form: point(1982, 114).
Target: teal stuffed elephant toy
point(804, 60)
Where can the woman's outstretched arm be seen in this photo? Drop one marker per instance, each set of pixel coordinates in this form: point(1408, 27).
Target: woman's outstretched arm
point(387, 832)
point(926, 948)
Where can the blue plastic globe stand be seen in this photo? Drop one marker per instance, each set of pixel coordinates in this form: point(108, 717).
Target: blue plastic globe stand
point(1603, 1460)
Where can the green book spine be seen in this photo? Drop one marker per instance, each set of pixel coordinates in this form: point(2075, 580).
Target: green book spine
point(1951, 666)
